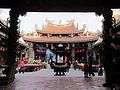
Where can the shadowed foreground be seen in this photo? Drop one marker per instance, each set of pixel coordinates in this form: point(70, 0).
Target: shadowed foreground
point(35, 82)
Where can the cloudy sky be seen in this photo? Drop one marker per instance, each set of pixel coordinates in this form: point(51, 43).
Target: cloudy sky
point(28, 21)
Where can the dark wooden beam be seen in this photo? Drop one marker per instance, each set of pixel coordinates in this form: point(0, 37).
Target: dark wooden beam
point(59, 5)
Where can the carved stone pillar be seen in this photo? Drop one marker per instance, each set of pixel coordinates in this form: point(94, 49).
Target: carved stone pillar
point(11, 46)
point(12, 36)
point(73, 52)
point(51, 45)
point(12, 40)
point(46, 45)
point(68, 46)
point(107, 62)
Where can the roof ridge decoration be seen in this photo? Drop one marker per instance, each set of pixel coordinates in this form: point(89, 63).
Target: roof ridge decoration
point(69, 22)
point(36, 27)
point(51, 27)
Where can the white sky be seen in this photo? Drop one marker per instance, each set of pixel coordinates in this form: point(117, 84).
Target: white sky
point(28, 21)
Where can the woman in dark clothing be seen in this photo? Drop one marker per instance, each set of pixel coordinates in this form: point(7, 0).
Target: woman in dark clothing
point(90, 59)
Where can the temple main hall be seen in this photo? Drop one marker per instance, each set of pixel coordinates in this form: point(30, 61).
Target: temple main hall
point(74, 41)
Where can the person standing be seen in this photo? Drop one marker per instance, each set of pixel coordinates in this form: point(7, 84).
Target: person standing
point(86, 69)
point(100, 71)
point(21, 65)
point(90, 60)
point(68, 63)
point(75, 64)
point(51, 61)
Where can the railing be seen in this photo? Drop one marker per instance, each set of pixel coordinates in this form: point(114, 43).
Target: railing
point(33, 67)
point(8, 76)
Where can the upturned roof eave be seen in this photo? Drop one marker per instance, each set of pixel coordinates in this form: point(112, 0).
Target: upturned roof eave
point(45, 32)
point(62, 41)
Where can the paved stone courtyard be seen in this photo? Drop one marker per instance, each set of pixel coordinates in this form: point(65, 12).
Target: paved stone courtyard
point(39, 81)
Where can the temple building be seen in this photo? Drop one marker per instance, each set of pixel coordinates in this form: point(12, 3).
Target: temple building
point(21, 45)
point(74, 41)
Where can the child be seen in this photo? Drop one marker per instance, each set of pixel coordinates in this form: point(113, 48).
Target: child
point(86, 70)
point(100, 71)
point(75, 64)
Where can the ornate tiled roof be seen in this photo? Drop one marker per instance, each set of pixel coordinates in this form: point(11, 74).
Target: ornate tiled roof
point(60, 28)
point(69, 29)
point(62, 39)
